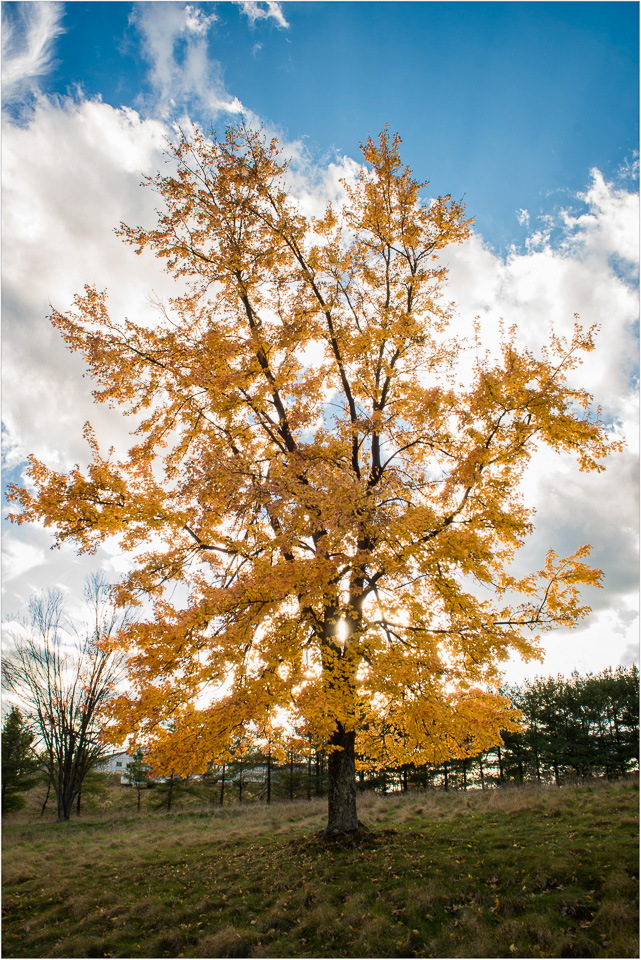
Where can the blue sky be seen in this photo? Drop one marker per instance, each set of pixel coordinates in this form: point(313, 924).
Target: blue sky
point(527, 110)
point(507, 104)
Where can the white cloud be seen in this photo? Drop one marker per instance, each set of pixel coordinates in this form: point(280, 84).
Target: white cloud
point(196, 22)
point(70, 175)
point(28, 32)
point(610, 639)
point(268, 10)
point(174, 42)
point(544, 287)
point(547, 284)
point(19, 557)
point(611, 227)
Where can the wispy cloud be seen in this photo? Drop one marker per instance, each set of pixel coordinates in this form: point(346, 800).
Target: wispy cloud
point(182, 75)
point(28, 32)
point(268, 10)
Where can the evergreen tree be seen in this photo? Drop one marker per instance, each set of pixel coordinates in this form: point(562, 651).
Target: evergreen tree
point(137, 773)
point(19, 762)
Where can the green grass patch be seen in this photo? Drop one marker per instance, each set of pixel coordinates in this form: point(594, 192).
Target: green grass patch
point(505, 873)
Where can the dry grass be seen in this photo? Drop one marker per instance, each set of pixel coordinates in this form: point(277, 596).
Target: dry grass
point(526, 872)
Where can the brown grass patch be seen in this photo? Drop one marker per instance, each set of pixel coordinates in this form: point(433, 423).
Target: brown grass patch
point(228, 942)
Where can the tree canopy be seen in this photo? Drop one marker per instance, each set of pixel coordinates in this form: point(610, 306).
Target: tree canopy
point(329, 471)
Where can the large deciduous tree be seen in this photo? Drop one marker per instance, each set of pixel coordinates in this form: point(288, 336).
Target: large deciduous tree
point(332, 477)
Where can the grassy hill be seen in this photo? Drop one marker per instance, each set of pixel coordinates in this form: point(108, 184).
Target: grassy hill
point(506, 873)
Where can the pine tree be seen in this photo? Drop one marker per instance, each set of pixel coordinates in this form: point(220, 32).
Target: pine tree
point(20, 764)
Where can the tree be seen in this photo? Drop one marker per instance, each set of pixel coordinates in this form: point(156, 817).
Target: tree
point(63, 684)
point(327, 472)
point(137, 773)
point(19, 761)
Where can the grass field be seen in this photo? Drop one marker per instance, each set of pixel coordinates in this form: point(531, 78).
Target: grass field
point(506, 873)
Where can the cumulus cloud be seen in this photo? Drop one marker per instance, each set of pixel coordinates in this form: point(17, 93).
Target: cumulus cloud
point(545, 286)
point(611, 225)
point(575, 262)
point(28, 34)
point(181, 73)
point(268, 10)
point(58, 171)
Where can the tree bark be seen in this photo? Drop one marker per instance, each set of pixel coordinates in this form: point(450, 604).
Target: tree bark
point(291, 774)
point(44, 805)
point(269, 774)
point(64, 808)
point(341, 784)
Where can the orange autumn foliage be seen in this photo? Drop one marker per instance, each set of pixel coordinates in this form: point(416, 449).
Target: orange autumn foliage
point(341, 511)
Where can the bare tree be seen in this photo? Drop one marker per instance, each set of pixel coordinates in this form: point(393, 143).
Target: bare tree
point(62, 676)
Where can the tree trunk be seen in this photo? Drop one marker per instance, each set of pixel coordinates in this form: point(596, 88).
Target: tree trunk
point(222, 786)
point(291, 774)
point(65, 796)
point(341, 783)
point(64, 809)
point(44, 805)
point(536, 752)
point(269, 775)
